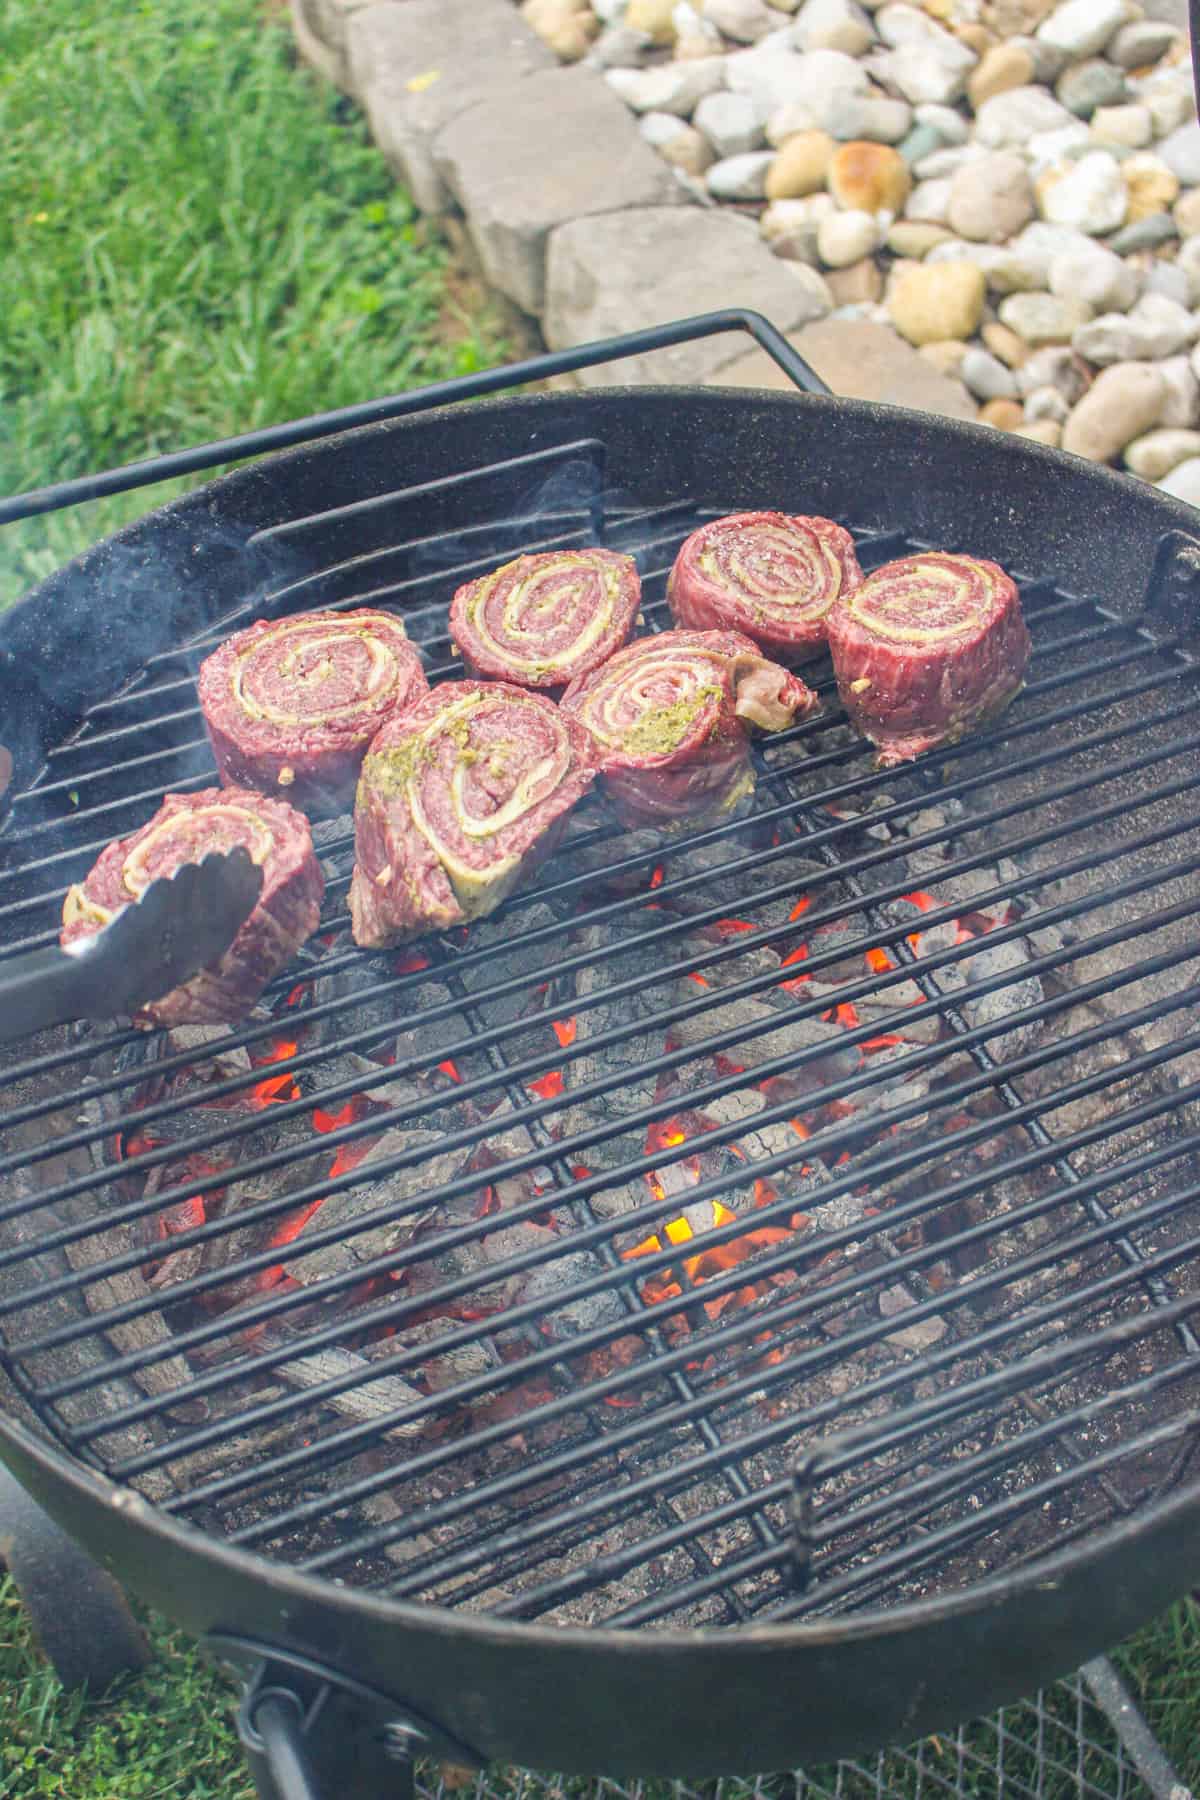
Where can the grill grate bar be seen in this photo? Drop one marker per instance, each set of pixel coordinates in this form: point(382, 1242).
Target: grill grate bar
point(883, 1167)
point(855, 788)
point(1029, 1162)
point(506, 1486)
point(697, 1399)
point(1044, 685)
point(829, 1091)
point(755, 861)
point(796, 1312)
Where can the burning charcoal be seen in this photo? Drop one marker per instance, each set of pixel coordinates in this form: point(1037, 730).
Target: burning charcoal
point(621, 1201)
point(1045, 940)
point(170, 1375)
point(902, 1090)
point(395, 1092)
point(228, 1062)
point(982, 1010)
point(377, 1394)
point(887, 1010)
point(376, 1012)
point(729, 1108)
point(568, 1315)
point(442, 1366)
point(846, 935)
point(894, 1302)
point(791, 1035)
point(595, 858)
point(395, 1230)
point(778, 1139)
point(512, 959)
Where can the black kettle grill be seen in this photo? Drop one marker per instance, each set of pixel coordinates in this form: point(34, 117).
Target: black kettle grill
point(911, 1425)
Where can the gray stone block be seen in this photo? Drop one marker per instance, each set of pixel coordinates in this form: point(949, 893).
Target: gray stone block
point(417, 64)
point(563, 147)
point(634, 269)
point(312, 47)
point(859, 361)
point(320, 27)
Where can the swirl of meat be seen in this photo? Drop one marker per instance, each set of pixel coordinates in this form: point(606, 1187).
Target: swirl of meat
point(292, 704)
point(185, 829)
point(459, 801)
point(768, 575)
point(670, 717)
point(543, 620)
point(927, 649)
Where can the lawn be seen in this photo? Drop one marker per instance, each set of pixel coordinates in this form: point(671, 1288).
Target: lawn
point(196, 238)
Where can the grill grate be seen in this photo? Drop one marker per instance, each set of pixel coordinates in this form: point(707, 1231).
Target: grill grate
point(939, 1322)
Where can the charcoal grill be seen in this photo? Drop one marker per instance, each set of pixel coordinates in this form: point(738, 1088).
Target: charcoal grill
point(754, 1311)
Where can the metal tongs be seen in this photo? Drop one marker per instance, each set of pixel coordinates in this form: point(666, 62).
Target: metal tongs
point(179, 925)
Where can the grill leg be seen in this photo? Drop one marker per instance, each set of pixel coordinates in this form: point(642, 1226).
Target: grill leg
point(312, 1733)
point(79, 1614)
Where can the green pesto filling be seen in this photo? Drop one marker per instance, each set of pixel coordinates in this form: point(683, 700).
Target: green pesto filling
point(663, 730)
point(392, 770)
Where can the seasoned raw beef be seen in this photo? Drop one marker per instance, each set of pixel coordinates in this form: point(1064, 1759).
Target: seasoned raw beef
point(184, 830)
point(292, 704)
point(670, 717)
point(767, 574)
point(459, 801)
point(926, 649)
point(542, 620)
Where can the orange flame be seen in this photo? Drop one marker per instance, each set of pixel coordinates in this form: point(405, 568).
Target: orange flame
point(276, 1087)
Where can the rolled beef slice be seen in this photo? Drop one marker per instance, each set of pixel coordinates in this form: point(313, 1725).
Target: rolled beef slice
point(542, 620)
point(926, 650)
point(291, 704)
point(670, 717)
point(185, 829)
point(459, 801)
point(772, 576)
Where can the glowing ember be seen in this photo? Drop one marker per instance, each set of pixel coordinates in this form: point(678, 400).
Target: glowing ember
point(795, 982)
point(657, 877)
point(879, 962)
point(276, 1087)
point(801, 907)
point(410, 962)
point(564, 1030)
point(547, 1087)
point(450, 1068)
point(923, 903)
point(731, 927)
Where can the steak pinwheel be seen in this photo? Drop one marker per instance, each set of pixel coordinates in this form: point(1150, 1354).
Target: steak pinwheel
point(927, 649)
point(184, 830)
point(543, 620)
point(670, 718)
point(291, 704)
point(769, 575)
point(459, 801)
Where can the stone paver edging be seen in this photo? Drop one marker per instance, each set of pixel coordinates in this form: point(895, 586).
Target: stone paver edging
point(948, 204)
point(574, 217)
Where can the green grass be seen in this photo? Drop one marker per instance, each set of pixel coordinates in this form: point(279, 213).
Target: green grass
point(196, 238)
point(168, 1733)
